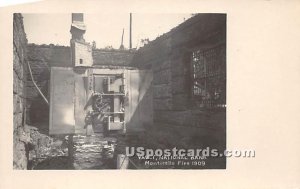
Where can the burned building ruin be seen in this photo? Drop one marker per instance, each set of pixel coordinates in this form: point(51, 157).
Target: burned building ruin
point(169, 93)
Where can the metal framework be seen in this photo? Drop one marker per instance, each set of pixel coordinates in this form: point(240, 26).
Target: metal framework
point(209, 76)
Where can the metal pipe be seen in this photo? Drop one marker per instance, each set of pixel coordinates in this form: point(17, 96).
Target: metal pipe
point(34, 83)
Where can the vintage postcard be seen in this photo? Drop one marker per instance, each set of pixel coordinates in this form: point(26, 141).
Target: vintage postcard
point(200, 94)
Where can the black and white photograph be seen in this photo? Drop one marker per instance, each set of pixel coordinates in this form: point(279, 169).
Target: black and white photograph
point(119, 91)
point(138, 94)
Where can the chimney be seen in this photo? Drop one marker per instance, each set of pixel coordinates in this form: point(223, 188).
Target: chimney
point(81, 52)
point(78, 27)
point(77, 17)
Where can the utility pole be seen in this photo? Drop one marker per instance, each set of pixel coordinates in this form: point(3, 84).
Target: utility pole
point(130, 31)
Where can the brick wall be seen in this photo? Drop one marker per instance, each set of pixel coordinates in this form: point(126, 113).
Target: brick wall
point(81, 53)
point(169, 56)
point(19, 79)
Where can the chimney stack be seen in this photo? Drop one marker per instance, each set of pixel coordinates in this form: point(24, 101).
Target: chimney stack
point(81, 52)
point(77, 17)
point(78, 27)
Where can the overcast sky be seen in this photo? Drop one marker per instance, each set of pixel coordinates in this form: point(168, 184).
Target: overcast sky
point(105, 29)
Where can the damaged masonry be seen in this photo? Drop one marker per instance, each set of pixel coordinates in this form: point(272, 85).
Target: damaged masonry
point(79, 107)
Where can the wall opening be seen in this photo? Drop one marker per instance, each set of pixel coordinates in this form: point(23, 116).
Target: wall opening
point(209, 77)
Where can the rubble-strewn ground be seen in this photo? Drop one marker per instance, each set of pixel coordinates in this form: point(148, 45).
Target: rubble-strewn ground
point(100, 152)
point(42, 147)
point(90, 152)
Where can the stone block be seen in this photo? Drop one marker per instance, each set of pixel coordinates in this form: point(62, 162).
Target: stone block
point(161, 65)
point(31, 92)
point(162, 77)
point(15, 83)
point(18, 118)
point(18, 104)
point(15, 103)
point(179, 118)
point(180, 67)
point(23, 134)
point(21, 88)
point(16, 61)
point(180, 101)
point(19, 154)
point(180, 85)
point(162, 104)
point(161, 91)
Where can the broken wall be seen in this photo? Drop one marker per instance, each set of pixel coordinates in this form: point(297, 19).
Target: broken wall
point(19, 98)
point(169, 56)
point(42, 57)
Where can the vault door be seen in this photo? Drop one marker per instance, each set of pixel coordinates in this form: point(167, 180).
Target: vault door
point(108, 102)
point(91, 100)
point(62, 118)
